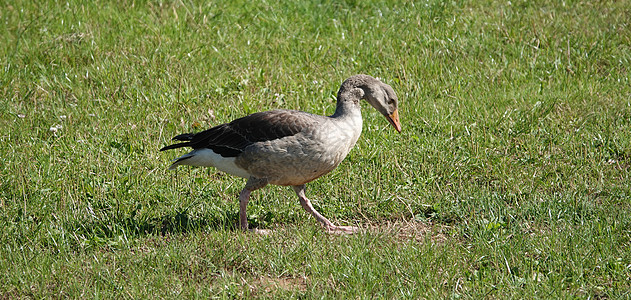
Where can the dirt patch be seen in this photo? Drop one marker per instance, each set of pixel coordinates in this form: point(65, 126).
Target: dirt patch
point(401, 229)
point(410, 230)
point(276, 284)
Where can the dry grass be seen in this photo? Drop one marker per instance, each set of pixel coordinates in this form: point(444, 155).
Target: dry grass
point(410, 230)
point(262, 286)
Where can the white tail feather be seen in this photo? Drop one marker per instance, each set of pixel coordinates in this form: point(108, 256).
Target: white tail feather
point(208, 158)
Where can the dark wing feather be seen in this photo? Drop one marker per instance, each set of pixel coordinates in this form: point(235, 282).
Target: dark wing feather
point(183, 137)
point(230, 139)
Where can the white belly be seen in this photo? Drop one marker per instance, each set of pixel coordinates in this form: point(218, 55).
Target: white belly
point(208, 158)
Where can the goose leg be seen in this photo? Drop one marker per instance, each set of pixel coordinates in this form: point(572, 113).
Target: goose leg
point(244, 197)
point(252, 184)
point(306, 204)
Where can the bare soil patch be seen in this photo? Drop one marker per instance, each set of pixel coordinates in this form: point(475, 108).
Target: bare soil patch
point(407, 230)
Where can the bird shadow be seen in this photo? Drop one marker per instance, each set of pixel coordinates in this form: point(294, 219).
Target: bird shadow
point(109, 228)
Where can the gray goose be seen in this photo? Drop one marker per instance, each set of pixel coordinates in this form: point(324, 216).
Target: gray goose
point(288, 147)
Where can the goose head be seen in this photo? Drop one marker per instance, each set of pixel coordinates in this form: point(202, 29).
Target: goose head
point(380, 95)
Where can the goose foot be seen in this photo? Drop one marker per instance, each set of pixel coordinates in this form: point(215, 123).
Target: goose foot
point(330, 228)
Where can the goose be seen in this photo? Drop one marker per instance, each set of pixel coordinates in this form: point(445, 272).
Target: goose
point(289, 147)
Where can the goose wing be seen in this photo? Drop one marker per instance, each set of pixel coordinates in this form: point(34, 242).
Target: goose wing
point(230, 139)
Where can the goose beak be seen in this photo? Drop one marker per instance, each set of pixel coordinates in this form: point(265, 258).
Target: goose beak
point(393, 118)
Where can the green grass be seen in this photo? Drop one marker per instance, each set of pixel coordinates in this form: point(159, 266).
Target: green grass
point(511, 178)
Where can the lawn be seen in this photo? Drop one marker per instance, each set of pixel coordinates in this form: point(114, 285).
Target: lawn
point(510, 179)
